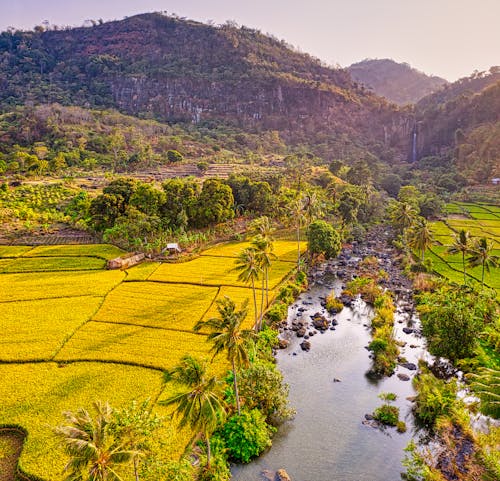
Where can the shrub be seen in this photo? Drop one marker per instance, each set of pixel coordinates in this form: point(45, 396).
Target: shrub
point(174, 156)
point(387, 414)
point(378, 345)
point(333, 304)
point(401, 427)
point(435, 398)
point(277, 312)
point(246, 435)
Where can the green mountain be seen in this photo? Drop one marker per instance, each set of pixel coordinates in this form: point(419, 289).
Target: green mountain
point(181, 71)
point(398, 82)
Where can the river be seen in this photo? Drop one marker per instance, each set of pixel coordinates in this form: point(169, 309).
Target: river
point(329, 439)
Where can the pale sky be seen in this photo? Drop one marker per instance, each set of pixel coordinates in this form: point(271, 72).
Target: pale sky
point(449, 38)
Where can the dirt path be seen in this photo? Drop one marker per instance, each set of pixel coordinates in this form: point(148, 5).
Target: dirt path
point(11, 444)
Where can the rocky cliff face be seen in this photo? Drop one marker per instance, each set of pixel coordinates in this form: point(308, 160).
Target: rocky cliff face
point(181, 71)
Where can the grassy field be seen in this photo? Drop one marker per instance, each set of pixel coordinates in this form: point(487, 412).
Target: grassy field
point(75, 332)
point(480, 220)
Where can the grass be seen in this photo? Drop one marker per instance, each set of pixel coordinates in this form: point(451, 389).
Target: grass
point(99, 334)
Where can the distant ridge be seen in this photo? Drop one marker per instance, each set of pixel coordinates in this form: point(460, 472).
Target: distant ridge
point(398, 82)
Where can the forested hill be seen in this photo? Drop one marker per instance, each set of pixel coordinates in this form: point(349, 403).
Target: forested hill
point(177, 70)
point(398, 82)
point(462, 121)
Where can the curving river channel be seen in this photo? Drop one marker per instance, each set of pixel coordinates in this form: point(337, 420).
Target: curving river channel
point(329, 439)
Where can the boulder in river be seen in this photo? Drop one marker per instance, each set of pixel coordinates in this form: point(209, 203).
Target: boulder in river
point(403, 377)
point(282, 475)
point(320, 322)
point(407, 330)
point(283, 343)
point(409, 365)
point(301, 332)
point(305, 345)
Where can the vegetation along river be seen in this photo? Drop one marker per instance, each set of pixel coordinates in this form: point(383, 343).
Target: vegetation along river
point(329, 438)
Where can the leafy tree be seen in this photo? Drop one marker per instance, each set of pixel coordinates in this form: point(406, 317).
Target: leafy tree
point(227, 336)
point(96, 453)
point(246, 435)
point(482, 255)
point(179, 206)
point(261, 386)
point(430, 206)
point(323, 239)
point(409, 194)
point(335, 166)
point(147, 199)
point(105, 209)
point(122, 187)
point(391, 183)
point(247, 264)
point(348, 207)
point(461, 245)
point(215, 203)
point(200, 404)
point(359, 174)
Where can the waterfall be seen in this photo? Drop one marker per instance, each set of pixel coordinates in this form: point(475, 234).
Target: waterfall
point(414, 145)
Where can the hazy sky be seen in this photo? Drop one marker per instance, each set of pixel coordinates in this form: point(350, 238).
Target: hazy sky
point(449, 38)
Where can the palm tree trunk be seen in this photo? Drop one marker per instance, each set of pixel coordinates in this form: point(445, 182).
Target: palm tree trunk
point(136, 468)
point(482, 276)
point(267, 286)
point(236, 393)
point(255, 304)
point(298, 246)
point(463, 265)
point(209, 451)
point(262, 303)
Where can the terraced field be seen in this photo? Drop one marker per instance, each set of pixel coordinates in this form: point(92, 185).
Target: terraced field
point(480, 220)
point(74, 332)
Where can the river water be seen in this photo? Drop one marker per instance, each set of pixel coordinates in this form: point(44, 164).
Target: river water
point(327, 440)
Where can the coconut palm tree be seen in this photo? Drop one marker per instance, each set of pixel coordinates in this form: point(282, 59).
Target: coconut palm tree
point(482, 255)
point(199, 405)
point(227, 336)
point(247, 264)
point(264, 252)
point(298, 214)
point(420, 237)
point(461, 245)
point(403, 215)
point(312, 207)
point(95, 452)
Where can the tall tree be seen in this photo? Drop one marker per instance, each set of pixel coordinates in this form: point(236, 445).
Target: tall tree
point(420, 237)
point(403, 215)
point(247, 264)
point(228, 336)
point(264, 251)
point(200, 404)
point(482, 255)
point(95, 452)
point(461, 245)
point(298, 214)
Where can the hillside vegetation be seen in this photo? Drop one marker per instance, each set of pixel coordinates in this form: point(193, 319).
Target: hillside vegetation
point(398, 82)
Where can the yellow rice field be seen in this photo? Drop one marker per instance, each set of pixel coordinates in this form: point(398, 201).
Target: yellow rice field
point(99, 334)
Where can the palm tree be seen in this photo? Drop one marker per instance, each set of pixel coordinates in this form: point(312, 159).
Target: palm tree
point(247, 265)
point(486, 383)
point(461, 245)
point(482, 255)
point(297, 211)
point(227, 335)
point(264, 252)
point(200, 404)
point(420, 237)
point(95, 452)
point(312, 207)
point(403, 215)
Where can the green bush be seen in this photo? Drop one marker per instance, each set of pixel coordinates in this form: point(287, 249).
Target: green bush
point(401, 427)
point(246, 435)
point(386, 414)
point(333, 304)
point(174, 156)
point(378, 345)
point(277, 312)
point(435, 398)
